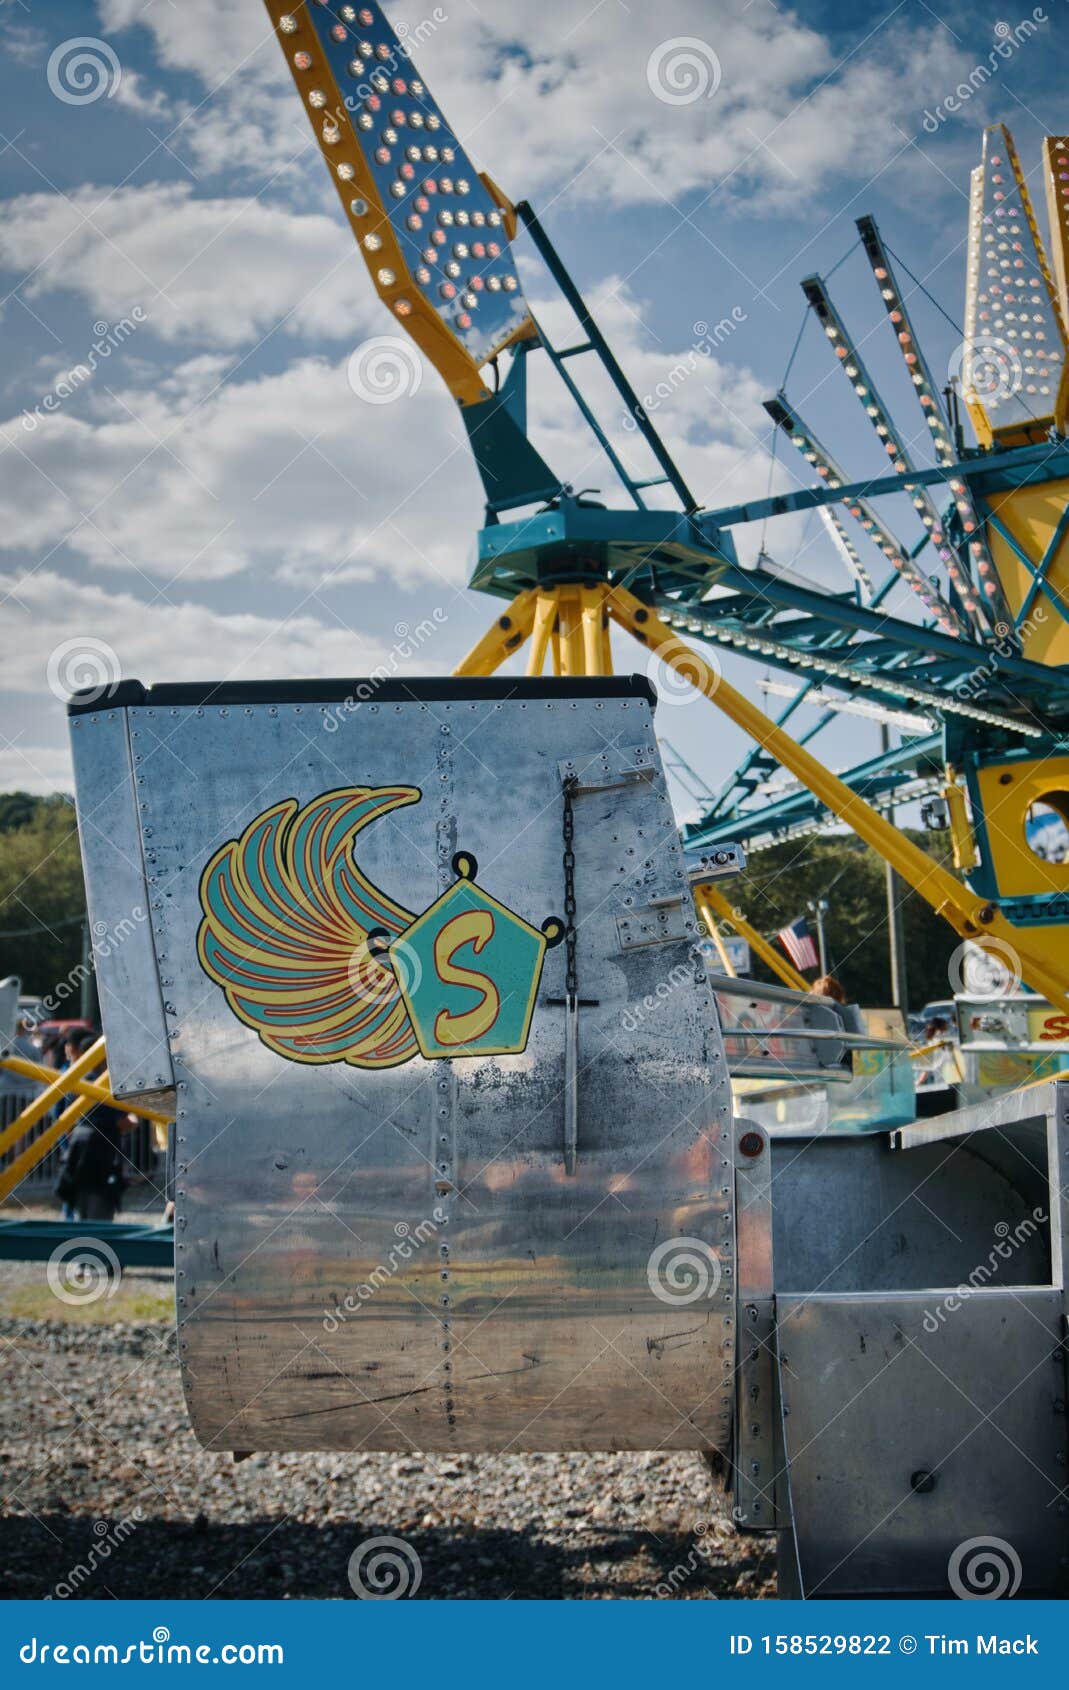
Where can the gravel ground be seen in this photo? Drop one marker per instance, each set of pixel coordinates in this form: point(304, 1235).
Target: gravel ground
point(104, 1493)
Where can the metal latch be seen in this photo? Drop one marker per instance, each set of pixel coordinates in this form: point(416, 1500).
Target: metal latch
point(610, 768)
point(657, 922)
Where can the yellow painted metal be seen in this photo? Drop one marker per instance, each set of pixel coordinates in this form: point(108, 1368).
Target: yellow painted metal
point(1055, 165)
point(1044, 962)
point(27, 1160)
point(708, 898)
point(1007, 793)
point(338, 145)
point(1031, 515)
point(52, 1095)
point(541, 633)
point(592, 613)
point(962, 838)
point(571, 622)
point(83, 1088)
point(504, 205)
point(573, 650)
point(506, 636)
point(705, 913)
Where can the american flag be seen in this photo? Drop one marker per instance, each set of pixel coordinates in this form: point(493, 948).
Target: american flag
point(797, 941)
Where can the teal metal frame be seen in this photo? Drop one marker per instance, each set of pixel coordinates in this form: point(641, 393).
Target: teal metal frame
point(135, 1243)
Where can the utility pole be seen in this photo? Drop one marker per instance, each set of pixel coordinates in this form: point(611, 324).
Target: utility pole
point(895, 892)
point(819, 910)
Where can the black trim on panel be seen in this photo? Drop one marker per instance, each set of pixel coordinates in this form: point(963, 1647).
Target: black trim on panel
point(435, 689)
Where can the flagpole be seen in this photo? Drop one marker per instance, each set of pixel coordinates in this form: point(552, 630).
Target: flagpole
point(819, 910)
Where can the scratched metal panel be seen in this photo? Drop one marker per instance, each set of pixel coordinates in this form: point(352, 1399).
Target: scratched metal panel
point(125, 963)
point(926, 1440)
point(396, 1257)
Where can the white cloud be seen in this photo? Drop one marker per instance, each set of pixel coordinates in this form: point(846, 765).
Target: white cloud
point(222, 271)
point(46, 613)
point(551, 102)
point(287, 471)
point(204, 474)
point(177, 640)
point(28, 767)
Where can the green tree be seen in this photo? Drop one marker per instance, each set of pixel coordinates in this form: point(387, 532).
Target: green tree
point(779, 883)
point(42, 893)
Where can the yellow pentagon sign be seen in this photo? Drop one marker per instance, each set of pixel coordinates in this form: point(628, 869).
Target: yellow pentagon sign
point(469, 969)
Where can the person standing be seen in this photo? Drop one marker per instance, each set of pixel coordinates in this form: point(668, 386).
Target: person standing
point(90, 1179)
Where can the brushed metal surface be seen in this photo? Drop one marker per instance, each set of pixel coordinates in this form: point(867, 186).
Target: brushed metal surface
point(398, 1258)
point(875, 1398)
point(117, 895)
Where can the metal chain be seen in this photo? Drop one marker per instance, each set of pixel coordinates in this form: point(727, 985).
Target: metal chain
point(571, 973)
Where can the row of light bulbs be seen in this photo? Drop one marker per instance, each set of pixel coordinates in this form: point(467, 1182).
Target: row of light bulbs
point(883, 680)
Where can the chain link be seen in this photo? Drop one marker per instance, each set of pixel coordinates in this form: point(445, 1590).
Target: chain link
point(571, 972)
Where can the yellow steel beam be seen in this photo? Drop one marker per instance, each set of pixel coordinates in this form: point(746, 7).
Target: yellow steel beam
point(84, 1088)
point(706, 914)
point(592, 611)
point(36, 1152)
point(544, 617)
point(52, 1095)
point(962, 838)
point(708, 898)
point(573, 647)
point(506, 636)
point(1041, 964)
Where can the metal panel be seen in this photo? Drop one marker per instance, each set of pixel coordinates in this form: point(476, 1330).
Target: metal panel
point(398, 1257)
point(757, 1409)
point(853, 1215)
point(107, 777)
point(774, 1031)
point(913, 1432)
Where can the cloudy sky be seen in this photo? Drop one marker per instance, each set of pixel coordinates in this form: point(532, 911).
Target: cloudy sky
point(213, 500)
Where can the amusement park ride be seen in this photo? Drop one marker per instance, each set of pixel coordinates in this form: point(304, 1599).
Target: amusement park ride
point(500, 1076)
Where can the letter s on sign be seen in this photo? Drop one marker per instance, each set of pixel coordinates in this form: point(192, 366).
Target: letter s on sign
point(474, 927)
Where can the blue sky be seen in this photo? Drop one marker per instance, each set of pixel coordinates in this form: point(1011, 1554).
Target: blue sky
point(214, 500)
